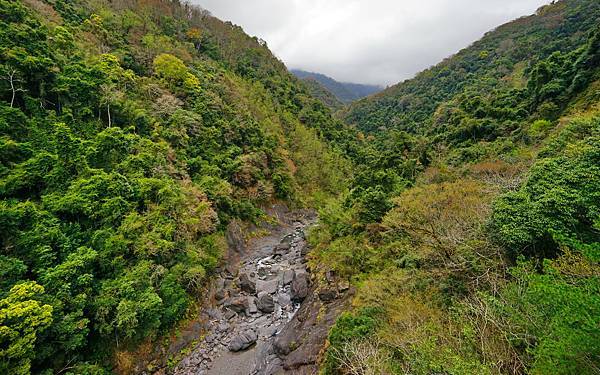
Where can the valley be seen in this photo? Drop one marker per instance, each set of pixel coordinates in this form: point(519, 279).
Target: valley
point(255, 300)
point(173, 200)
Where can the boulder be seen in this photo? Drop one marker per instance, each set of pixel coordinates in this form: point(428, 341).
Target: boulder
point(268, 286)
point(235, 237)
point(284, 300)
point(243, 341)
point(229, 272)
point(263, 271)
point(229, 314)
point(252, 308)
point(299, 289)
point(223, 328)
point(220, 294)
point(284, 344)
point(237, 304)
point(265, 303)
point(245, 284)
point(213, 314)
point(286, 276)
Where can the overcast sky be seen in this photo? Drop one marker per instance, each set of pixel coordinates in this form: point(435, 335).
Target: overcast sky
point(368, 41)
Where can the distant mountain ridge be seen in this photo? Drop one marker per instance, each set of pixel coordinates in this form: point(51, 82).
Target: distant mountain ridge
point(346, 92)
point(319, 91)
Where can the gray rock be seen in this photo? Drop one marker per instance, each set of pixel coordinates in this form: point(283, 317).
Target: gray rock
point(243, 341)
point(213, 314)
point(304, 250)
point(230, 272)
point(299, 288)
point(267, 363)
point(223, 327)
point(246, 284)
point(286, 276)
point(229, 314)
point(268, 331)
point(261, 321)
point(284, 300)
point(268, 286)
point(282, 248)
point(235, 237)
point(210, 338)
point(263, 271)
point(265, 303)
point(252, 308)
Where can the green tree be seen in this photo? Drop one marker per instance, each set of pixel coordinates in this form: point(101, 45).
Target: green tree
point(22, 318)
point(174, 71)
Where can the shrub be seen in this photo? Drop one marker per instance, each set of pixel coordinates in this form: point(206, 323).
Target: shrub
point(348, 328)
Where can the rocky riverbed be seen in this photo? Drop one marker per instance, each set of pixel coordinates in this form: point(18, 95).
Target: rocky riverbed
point(254, 300)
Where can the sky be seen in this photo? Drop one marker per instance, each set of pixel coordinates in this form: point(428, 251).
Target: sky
point(368, 41)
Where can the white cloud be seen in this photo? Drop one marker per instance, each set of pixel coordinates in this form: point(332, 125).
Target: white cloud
point(368, 41)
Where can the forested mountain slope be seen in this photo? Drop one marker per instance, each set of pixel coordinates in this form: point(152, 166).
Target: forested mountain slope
point(346, 92)
point(320, 92)
point(472, 226)
point(495, 66)
point(131, 133)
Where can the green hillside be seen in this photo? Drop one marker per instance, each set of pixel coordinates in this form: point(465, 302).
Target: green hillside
point(472, 226)
point(494, 67)
point(131, 133)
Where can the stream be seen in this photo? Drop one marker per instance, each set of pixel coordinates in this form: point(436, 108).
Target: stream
point(253, 301)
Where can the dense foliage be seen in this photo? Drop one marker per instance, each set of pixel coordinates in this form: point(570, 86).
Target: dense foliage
point(464, 205)
point(320, 92)
point(472, 225)
point(131, 133)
